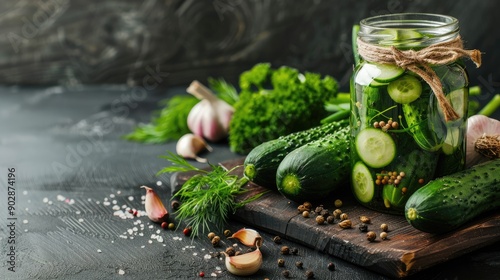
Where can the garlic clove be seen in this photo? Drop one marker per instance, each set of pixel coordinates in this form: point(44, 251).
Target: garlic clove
point(189, 145)
point(245, 264)
point(248, 237)
point(154, 207)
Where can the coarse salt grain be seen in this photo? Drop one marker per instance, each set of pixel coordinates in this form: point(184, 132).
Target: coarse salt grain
point(150, 241)
point(118, 192)
point(50, 202)
point(106, 203)
point(143, 197)
point(159, 183)
point(213, 274)
point(207, 256)
point(99, 251)
point(121, 271)
point(25, 192)
point(78, 212)
point(114, 201)
point(45, 200)
point(159, 239)
point(195, 254)
point(60, 197)
point(25, 221)
point(116, 207)
point(112, 195)
point(80, 220)
point(131, 198)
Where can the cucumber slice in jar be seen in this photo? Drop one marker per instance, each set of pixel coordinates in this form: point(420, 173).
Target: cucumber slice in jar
point(374, 74)
point(405, 89)
point(395, 37)
point(375, 147)
point(362, 181)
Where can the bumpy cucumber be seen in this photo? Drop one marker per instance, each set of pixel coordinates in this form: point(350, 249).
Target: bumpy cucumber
point(262, 162)
point(449, 202)
point(418, 165)
point(315, 169)
point(422, 125)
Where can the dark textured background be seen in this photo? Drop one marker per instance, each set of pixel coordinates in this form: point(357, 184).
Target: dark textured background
point(79, 42)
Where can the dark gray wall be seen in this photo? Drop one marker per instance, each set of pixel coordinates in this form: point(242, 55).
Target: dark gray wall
point(122, 41)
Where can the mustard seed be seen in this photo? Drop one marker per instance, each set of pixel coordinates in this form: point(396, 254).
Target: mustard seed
point(281, 262)
point(307, 205)
point(344, 216)
point(211, 235)
point(227, 233)
point(338, 203)
point(371, 236)
point(299, 264)
point(384, 227)
point(320, 220)
point(383, 235)
point(305, 214)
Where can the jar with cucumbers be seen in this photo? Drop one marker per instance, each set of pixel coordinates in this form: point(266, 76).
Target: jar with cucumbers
point(409, 100)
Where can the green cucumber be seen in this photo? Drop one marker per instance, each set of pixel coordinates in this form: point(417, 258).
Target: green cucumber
point(449, 202)
point(362, 182)
point(422, 124)
point(405, 89)
point(316, 169)
point(262, 162)
point(417, 165)
point(375, 147)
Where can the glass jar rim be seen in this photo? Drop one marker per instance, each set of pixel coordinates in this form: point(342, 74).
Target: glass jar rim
point(402, 20)
point(428, 28)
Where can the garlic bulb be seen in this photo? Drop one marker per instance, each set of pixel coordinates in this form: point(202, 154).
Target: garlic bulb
point(211, 116)
point(482, 138)
point(189, 145)
point(154, 207)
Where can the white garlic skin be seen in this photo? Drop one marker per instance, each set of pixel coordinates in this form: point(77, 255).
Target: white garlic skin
point(189, 145)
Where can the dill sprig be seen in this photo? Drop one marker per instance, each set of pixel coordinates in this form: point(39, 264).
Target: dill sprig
point(209, 197)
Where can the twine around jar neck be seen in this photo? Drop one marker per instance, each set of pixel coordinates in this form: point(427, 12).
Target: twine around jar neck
point(419, 61)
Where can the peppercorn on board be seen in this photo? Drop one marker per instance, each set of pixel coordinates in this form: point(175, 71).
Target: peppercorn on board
point(405, 251)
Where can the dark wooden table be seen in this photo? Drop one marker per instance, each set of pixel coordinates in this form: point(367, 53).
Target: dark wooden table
point(75, 178)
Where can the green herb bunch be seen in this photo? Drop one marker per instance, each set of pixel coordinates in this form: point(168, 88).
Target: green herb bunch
point(209, 197)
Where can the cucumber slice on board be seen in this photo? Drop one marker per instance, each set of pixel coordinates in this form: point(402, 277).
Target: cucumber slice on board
point(405, 89)
point(362, 181)
point(375, 147)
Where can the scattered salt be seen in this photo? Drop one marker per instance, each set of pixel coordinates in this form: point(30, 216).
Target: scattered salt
point(118, 192)
point(25, 221)
point(25, 192)
point(131, 198)
point(159, 239)
point(78, 212)
point(143, 197)
point(159, 183)
point(213, 274)
point(112, 195)
point(45, 200)
point(50, 202)
point(114, 201)
point(99, 251)
point(121, 271)
point(60, 197)
point(106, 203)
point(116, 207)
point(150, 241)
point(80, 220)
point(207, 256)
point(195, 254)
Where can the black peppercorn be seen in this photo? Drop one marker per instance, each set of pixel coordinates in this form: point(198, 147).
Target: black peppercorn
point(230, 251)
point(286, 273)
point(299, 264)
point(331, 266)
point(363, 227)
point(285, 250)
point(281, 262)
point(175, 204)
point(309, 274)
point(277, 240)
point(330, 219)
point(295, 251)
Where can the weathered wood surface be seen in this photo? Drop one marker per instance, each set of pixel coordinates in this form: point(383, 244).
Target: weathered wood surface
point(171, 42)
point(405, 252)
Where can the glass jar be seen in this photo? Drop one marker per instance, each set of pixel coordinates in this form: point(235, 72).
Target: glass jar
point(401, 137)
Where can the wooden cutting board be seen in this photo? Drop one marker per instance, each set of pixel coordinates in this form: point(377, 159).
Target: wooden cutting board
point(405, 252)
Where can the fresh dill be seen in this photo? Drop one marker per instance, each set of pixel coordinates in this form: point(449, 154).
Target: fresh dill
point(209, 197)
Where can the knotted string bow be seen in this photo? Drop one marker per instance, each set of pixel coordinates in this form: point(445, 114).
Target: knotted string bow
point(419, 61)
